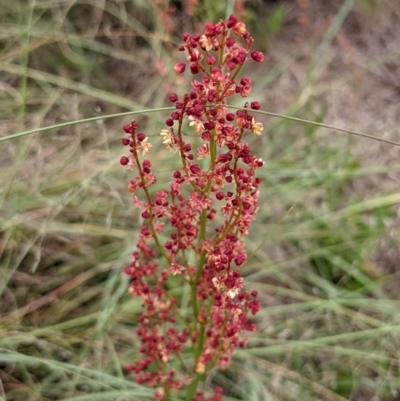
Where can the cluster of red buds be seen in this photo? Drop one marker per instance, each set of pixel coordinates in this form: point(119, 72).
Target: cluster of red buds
point(186, 264)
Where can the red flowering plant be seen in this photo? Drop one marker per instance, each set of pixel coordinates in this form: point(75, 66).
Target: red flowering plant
point(194, 228)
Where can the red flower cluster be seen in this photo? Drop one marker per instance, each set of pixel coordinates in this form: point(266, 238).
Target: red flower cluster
point(194, 229)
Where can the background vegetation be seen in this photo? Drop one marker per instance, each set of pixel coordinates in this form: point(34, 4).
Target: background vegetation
point(324, 249)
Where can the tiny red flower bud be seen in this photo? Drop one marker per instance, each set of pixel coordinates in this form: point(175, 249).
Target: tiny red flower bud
point(145, 214)
point(206, 136)
point(146, 163)
point(169, 122)
point(209, 29)
point(255, 105)
point(178, 105)
point(231, 21)
point(125, 141)
point(254, 293)
point(219, 195)
point(230, 117)
point(124, 160)
point(173, 97)
point(175, 115)
point(195, 169)
point(187, 147)
point(194, 69)
point(127, 128)
point(211, 97)
point(193, 95)
point(179, 68)
point(231, 65)
point(141, 136)
point(257, 56)
point(240, 259)
point(230, 42)
point(246, 205)
point(211, 60)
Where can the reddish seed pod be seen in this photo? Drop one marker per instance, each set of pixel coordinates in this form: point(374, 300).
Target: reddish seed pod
point(179, 68)
point(146, 163)
point(257, 56)
point(231, 65)
point(209, 29)
point(169, 122)
point(246, 205)
point(194, 69)
point(195, 169)
point(127, 128)
point(175, 116)
point(145, 214)
point(124, 160)
point(173, 97)
point(141, 136)
point(211, 60)
point(240, 259)
point(211, 97)
point(231, 21)
point(230, 42)
point(255, 105)
point(206, 136)
point(125, 142)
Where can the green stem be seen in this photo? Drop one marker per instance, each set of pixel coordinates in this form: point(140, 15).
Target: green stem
point(191, 390)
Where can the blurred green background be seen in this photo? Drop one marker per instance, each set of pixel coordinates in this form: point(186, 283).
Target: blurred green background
point(324, 250)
